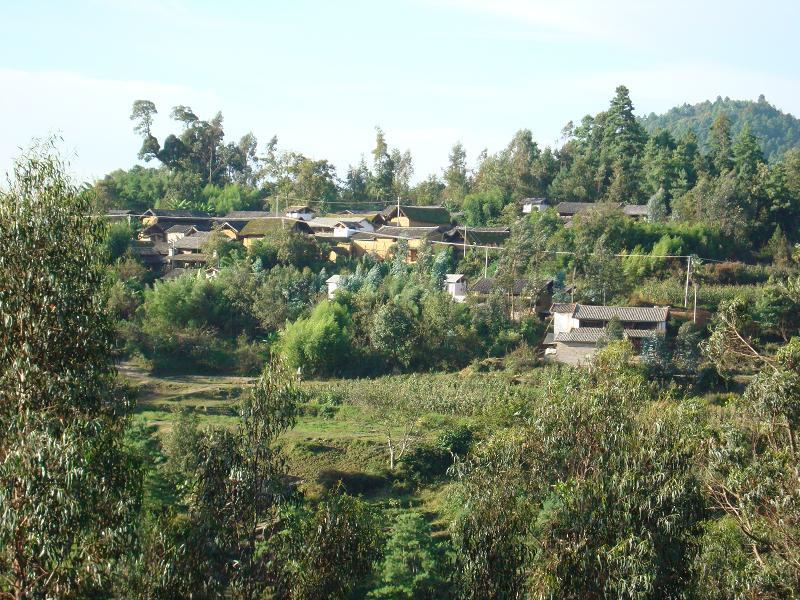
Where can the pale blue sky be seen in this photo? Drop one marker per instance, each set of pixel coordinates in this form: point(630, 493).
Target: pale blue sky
point(321, 75)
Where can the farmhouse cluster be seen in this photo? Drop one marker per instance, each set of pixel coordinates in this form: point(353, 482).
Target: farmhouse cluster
point(174, 242)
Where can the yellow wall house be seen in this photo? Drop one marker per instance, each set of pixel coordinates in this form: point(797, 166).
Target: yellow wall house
point(258, 229)
point(381, 241)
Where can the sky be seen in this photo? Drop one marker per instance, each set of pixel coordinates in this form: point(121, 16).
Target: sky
point(321, 75)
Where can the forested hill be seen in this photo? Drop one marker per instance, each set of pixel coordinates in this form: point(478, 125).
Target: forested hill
point(776, 130)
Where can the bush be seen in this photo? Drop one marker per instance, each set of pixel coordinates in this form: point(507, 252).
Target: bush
point(426, 463)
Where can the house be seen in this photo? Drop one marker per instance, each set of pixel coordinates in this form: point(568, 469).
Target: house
point(166, 218)
point(176, 232)
point(333, 283)
point(192, 243)
point(635, 211)
point(154, 232)
point(416, 216)
point(456, 285)
point(386, 237)
point(528, 297)
point(303, 212)
point(152, 255)
point(258, 229)
point(231, 228)
point(247, 215)
point(578, 327)
point(530, 205)
point(567, 210)
point(340, 228)
point(375, 217)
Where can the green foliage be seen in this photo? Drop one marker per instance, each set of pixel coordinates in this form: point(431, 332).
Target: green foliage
point(320, 344)
point(778, 132)
point(413, 566)
point(329, 551)
point(484, 208)
point(69, 489)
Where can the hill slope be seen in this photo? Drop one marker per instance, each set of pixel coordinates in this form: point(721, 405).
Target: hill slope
point(778, 131)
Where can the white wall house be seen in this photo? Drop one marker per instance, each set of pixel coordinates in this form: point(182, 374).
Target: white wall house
point(578, 327)
point(530, 205)
point(333, 284)
point(456, 285)
point(303, 213)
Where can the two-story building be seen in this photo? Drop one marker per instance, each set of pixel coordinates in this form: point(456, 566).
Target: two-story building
point(578, 327)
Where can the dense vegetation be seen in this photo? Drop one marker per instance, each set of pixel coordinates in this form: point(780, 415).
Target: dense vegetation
point(394, 443)
point(778, 132)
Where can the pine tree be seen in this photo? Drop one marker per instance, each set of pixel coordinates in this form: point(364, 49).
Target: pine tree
point(720, 147)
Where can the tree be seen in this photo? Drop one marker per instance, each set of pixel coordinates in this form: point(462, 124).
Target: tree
point(381, 182)
point(720, 150)
point(484, 208)
point(657, 210)
point(69, 492)
point(455, 175)
point(327, 552)
point(412, 562)
point(321, 343)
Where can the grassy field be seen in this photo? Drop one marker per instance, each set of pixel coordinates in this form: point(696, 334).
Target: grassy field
point(339, 435)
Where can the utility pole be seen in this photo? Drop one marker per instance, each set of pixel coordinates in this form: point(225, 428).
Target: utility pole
point(398, 210)
point(686, 287)
point(465, 242)
point(694, 317)
point(486, 262)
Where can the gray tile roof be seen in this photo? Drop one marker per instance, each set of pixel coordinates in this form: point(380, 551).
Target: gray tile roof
point(635, 210)
point(410, 233)
point(573, 208)
point(563, 307)
point(520, 286)
point(247, 214)
point(639, 314)
point(180, 228)
point(590, 335)
point(194, 241)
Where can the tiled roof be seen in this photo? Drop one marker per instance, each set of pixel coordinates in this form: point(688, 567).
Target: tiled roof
point(189, 258)
point(260, 227)
point(453, 277)
point(643, 314)
point(331, 222)
point(593, 334)
point(563, 307)
point(180, 228)
point(438, 215)
point(247, 214)
point(635, 210)
point(194, 241)
point(629, 314)
point(409, 233)
point(573, 208)
point(520, 286)
point(161, 212)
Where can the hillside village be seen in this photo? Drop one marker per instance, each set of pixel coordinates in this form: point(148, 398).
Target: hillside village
point(173, 243)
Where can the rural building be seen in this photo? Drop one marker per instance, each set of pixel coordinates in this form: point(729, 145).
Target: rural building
point(531, 205)
point(456, 285)
point(578, 327)
point(478, 236)
point(301, 212)
point(339, 227)
point(166, 218)
point(386, 237)
point(333, 283)
point(258, 229)
point(635, 211)
point(416, 216)
point(176, 232)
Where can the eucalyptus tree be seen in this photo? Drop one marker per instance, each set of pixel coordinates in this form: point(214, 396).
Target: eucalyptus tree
point(69, 494)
